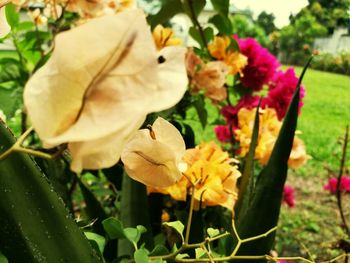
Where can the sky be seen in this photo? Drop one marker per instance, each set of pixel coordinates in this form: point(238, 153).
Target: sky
point(280, 8)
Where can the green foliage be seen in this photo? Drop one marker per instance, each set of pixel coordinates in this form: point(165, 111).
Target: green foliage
point(243, 26)
point(12, 16)
point(34, 220)
point(262, 212)
point(295, 37)
point(134, 212)
point(330, 14)
point(221, 6)
point(266, 21)
point(339, 63)
point(93, 209)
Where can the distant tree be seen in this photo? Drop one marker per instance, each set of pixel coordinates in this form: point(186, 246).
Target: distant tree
point(267, 22)
point(329, 13)
point(244, 26)
point(296, 40)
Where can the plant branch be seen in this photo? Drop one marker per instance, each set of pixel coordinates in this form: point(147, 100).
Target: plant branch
point(197, 24)
point(17, 147)
point(339, 192)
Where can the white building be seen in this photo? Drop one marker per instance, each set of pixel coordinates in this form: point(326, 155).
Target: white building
point(338, 42)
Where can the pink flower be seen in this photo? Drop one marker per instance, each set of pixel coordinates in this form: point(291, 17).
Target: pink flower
point(286, 261)
point(261, 64)
point(231, 112)
point(281, 90)
point(288, 195)
point(223, 133)
point(332, 185)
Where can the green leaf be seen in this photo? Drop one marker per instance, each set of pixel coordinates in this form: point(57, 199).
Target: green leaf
point(9, 101)
point(177, 226)
point(193, 7)
point(132, 234)
point(35, 225)
point(222, 23)
point(3, 259)
point(208, 34)
point(264, 209)
point(12, 16)
point(221, 6)
point(213, 232)
point(99, 240)
point(141, 256)
point(200, 253)
point(169, 9)
point(10, 70)
point(202, 112)
point(93, 209)
point(113, 228)
point(246, 183)
point(159, 250)
point(134, 212)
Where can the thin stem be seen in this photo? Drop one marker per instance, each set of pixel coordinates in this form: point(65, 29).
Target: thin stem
point(189, 221)
point(197, 24)
point(16, 147)
point(341, 170)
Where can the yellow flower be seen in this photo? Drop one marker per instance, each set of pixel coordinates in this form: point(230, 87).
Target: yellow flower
point(298, 156)
point(164, 37)
point(95, 101)
point(214, 176)
point(269, 127)
point(235, 60)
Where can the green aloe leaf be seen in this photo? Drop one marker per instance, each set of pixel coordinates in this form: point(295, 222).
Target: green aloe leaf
point(246, 183)
point(34, 224)
point(134, 212)
point(264, 208)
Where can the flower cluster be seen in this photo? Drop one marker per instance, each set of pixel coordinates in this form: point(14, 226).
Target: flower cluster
point(261, 65)
point(269, 127)
point(84, 8)
point(261, 70)
point(288, 196)
point(344, 185)
point(213, 174)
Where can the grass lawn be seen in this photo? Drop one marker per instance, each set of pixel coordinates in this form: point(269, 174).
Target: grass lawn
point(325, 114)
point(313, 224)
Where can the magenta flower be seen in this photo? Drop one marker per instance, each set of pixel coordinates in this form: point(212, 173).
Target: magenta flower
point(230, 112)
point(286, 261)
point(261, 64)
point(223, 133)
point(288, 195)
point(281, 90)
point(331, 186)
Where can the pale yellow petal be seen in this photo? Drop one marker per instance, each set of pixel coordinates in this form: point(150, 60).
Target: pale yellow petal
point(103, 152)
point(150, 162)
point(167, 134)
point(4, 26)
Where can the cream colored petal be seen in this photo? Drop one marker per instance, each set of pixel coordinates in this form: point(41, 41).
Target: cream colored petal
point(172, 78)
point(103, 152)
point(127, 85)
point(167, 134)
point(150, 162)
point(4, 26)
point(54, 95)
